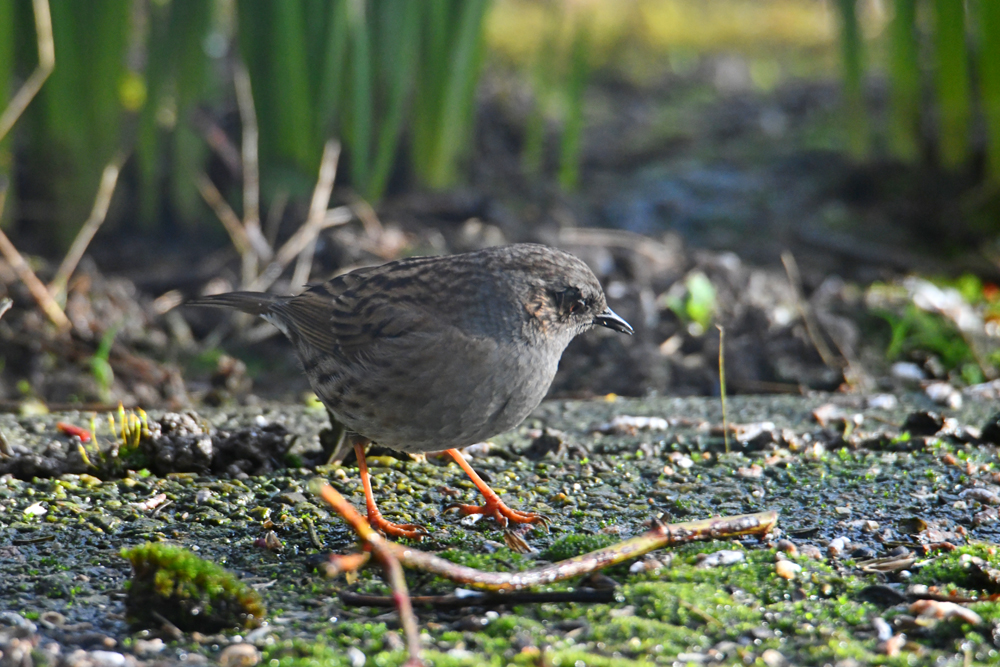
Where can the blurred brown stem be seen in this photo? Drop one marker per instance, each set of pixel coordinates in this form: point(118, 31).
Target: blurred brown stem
point(102, 201)
point(28, 277)
point(251, 169)
point(46, 63)
point(317, 211)
point(225, 214)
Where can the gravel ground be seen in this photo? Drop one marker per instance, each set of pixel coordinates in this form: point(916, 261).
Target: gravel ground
point(848, 492)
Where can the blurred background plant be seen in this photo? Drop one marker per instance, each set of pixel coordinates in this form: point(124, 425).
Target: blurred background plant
point(396, 81)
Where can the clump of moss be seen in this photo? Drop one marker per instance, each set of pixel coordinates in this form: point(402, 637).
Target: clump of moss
point(190, 592)
point(974, 568)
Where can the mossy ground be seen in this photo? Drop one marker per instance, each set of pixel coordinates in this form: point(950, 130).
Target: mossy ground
point(60, 538)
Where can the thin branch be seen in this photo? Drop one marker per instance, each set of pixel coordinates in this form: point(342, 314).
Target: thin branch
point(28, 277)
point(369, 219)
point(46, 63)
point(477, 599)
point(275, 212)
point(217, 141)
point(317, 211)
point(251, 168)
point(102, 201)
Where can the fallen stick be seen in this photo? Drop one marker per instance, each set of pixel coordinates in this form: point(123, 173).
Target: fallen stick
point(659, 536)
point(476, 599)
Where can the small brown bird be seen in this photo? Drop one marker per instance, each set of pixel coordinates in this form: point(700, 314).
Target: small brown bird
point(434, 353)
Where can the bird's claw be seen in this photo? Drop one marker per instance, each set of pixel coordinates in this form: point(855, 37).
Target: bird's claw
point(502, 514)
point(389, 529)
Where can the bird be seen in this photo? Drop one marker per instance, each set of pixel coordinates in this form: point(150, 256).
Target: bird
point(431, 354)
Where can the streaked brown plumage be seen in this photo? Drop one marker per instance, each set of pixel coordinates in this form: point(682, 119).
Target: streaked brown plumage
point(436, 353)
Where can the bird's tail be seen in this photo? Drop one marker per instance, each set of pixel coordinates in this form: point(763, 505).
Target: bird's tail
point(255, 303)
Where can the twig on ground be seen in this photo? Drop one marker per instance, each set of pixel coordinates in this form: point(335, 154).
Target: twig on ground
point(296, 243)
point(102, 201)
point(659, 536)
point(854, 374)
point(28, 277)
point(368, 217)
point(275, 212)
point(317, 211)
point(218, 141)
point(477, 599)
point(46, 63)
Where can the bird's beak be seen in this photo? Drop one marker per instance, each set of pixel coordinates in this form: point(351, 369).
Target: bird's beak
point(613, 320)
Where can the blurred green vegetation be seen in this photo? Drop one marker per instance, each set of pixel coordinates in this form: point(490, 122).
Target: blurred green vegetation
point(396, 82)
point(943, 66)
point(153, 79)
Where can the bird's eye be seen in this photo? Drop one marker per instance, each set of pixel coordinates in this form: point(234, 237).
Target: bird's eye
point(577, 306)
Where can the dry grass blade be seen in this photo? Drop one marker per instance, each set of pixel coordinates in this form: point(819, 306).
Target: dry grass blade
point(28, 277)
point(251, 168)
point(317, 211)
point(218, 141)
point(369, 219)
point(232, 223)
point(295, 244)
point(46, 63)
point(812, 328)
point(109, 179)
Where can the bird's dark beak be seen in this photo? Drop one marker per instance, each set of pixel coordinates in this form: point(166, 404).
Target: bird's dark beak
point(612, 320)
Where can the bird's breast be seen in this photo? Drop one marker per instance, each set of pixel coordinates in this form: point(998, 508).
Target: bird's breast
point(449, 393)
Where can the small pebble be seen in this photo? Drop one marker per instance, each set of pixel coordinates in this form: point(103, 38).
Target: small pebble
point(786, 569)
point(239, 655)
point(944, 394)
point(723, 557)
point(788, 547)
point(107, 659)
point(773, 658)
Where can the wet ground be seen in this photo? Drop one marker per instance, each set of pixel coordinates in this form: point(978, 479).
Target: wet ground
point(883, 478)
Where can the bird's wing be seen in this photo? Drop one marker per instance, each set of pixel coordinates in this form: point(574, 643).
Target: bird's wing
point(313, 314)
point(351, 315)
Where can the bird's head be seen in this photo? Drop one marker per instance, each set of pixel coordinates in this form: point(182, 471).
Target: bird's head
point(566, 298)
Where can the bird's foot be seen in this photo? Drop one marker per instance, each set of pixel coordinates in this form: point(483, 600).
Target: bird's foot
point(348, 564)
point(390, 529)
point(494, 507)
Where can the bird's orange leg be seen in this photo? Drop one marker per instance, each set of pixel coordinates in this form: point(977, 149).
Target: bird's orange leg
point(493, 507)
point(375, 517)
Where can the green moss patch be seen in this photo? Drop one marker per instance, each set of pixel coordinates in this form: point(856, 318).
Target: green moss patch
point(190, 592)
